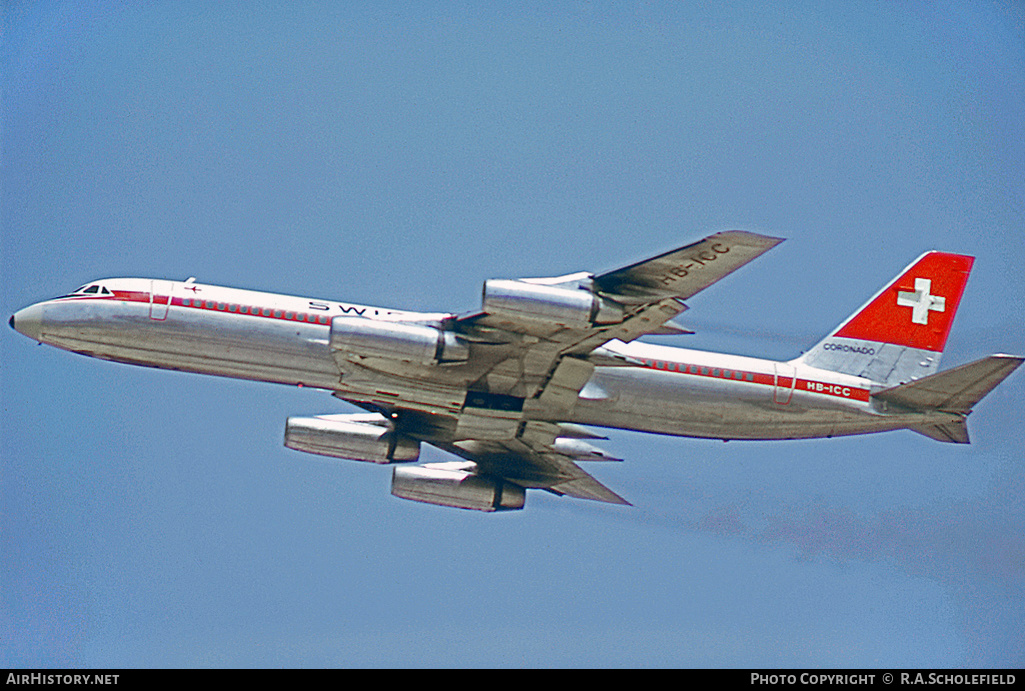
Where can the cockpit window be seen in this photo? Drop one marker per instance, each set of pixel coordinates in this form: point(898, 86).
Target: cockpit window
point(92, 289)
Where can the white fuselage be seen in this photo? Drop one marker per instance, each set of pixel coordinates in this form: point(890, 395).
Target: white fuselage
point(284, 339)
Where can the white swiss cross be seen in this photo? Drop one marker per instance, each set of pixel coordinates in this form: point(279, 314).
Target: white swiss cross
point(921, 302)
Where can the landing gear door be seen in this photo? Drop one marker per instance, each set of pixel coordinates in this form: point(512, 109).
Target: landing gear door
point(785, 383)
point(159, 299)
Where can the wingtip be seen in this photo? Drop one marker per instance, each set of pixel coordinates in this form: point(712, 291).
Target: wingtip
point(755, 239)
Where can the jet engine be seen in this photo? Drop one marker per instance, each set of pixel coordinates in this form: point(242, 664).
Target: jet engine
point(425, 345)
point(558, 305)
point(360, 437)
point(454, 484)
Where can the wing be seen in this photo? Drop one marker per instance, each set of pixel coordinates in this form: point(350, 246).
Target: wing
point(684, 272)
point(518, 365)
point(559, 322)
point(534, 459)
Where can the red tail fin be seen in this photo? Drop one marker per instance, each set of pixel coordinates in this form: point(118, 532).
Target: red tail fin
point(899, 334)
point(918, 308)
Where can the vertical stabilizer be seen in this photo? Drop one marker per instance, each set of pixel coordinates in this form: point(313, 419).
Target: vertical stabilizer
point(899, 335)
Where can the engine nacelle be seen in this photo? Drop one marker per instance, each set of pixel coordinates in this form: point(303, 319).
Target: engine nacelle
point(450, 484)
point(544, 303)
point(357, 437)
point(425, 345)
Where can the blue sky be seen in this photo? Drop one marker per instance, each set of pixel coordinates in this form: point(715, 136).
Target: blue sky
point(398, 155)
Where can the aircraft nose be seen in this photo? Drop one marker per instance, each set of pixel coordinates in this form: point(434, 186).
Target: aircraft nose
point(28, 321)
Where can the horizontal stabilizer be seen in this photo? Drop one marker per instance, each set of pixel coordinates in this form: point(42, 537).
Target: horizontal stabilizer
point(955, 390)
point(950, 432)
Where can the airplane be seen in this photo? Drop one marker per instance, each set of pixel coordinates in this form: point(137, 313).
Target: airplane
point(513, 389)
